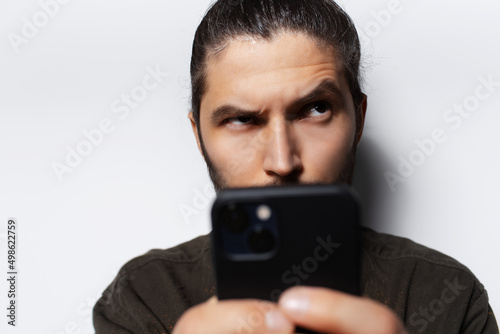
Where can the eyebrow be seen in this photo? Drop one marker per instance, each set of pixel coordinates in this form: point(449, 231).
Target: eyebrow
point(227, 110)
point(327, 88)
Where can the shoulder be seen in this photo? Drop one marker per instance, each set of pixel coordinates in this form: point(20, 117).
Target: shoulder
point(170, 268)
point(188, 252)
point(400, 261)
point(154, 289)
point(159, 267)
point(393, 248)
point(422, 285)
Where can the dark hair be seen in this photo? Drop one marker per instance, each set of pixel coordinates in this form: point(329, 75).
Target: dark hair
point(322, 20)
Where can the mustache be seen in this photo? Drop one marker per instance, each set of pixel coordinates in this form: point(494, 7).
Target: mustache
point(220, 182)
point(278, 182)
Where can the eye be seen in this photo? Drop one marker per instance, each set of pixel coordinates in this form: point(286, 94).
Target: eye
point(241, 120)
point(316, 109)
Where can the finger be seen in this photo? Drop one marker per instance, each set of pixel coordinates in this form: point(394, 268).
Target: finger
point(329, 311)
point(212, 300)
point(234, 317)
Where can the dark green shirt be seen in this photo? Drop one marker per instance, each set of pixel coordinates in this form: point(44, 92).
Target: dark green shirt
point(429, 291)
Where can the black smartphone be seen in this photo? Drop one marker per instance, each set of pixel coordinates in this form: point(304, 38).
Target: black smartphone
point(269, 239)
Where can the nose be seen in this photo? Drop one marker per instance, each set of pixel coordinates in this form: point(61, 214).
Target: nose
point(281, 155)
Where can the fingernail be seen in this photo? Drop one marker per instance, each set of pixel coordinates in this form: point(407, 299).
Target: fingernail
point(277, 322)
point(212, 300)
point(294, 302)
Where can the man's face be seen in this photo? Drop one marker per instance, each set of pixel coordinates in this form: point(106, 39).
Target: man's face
point(277, 112)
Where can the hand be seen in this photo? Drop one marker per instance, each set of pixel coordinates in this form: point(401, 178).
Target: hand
point(234, 317)
point(319, 309)
point(328, 311)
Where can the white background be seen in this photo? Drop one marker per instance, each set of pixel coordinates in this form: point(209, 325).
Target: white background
point(125, 197)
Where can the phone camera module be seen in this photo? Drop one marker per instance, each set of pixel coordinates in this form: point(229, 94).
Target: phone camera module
point(235, 219)
point(263, 212)
point(261, 241)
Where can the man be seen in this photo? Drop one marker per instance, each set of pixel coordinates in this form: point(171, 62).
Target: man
point(276, 100)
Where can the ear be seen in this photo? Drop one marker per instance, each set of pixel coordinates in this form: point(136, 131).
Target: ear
point(361, 118)
point(195, 131)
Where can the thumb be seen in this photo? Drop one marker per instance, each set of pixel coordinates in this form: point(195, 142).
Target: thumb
point(212, 300)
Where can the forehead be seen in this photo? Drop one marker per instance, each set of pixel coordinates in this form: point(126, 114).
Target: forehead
point(257, 73)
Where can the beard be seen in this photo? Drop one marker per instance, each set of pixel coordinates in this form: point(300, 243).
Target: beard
point(221, 183)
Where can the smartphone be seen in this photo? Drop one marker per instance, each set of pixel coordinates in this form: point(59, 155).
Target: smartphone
point(266, 240)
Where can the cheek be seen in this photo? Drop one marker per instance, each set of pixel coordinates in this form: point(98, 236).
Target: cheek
point(324, 151)
point(233, 156)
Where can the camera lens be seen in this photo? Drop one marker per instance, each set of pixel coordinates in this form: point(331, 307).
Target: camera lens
point(234, 219)
point(261, 241)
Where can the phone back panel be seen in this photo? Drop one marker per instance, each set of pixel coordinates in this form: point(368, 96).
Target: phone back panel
point(317, 242)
